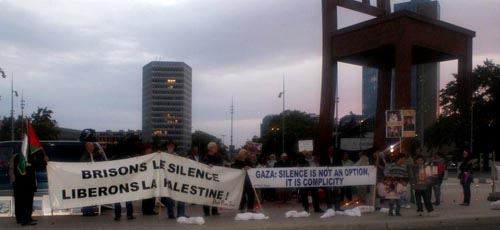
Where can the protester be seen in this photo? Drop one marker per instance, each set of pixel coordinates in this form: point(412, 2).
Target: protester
point(380, 163)
point(148, 205)
point(23, 178)
point(169, 202)
point(306, 159)
point(438, 161)
point(195, 154)
point(268, 194)
point(284, 194)
point(421, 181)
point(271, 161)
point(243, 161)
point(466, 176)
point(332, 193)
point(90, 155)
point(346, 191)
point(212, 158)
point(395, 181)
point(363, 189)
point(128, 204)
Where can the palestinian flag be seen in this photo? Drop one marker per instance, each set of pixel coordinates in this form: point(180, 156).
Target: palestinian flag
point(34, 142)
point(21, 165)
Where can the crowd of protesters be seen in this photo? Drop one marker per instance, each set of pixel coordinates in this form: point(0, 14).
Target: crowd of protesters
point(401, 180)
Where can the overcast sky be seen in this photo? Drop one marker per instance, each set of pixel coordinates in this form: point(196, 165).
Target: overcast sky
point(83, 59)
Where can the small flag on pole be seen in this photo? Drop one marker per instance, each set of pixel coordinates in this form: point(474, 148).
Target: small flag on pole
point(34, 142)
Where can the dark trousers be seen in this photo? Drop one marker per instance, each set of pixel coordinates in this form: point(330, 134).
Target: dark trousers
point(314, 195)
point(466, 189)
point(148, 206)
point(206, 210)
point(247, 197)
point(426, 196)
point(392, 203)
point(128, 205)
point(333, 198)
point(346, 192)
point(170, 204)
point(437, 193)
point(23, 199)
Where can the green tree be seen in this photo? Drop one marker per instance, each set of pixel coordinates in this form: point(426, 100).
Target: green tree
point(201, 139)
point(450, 127)
point(46, 128)
point(298, 126)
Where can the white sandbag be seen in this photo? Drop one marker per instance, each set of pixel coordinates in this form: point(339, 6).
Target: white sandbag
point(191, 220)
point(329, 213)
point(250, 216)
point(295, 214)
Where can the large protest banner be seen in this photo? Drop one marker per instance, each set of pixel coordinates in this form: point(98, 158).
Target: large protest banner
point(312, 176)
point(74, 185)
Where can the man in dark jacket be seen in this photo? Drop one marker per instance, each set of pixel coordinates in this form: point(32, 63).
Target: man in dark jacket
point(212, 158)
point(90, 155)
point(242, 161)
point(22, 173)
point(307, 160)
point(332, 193)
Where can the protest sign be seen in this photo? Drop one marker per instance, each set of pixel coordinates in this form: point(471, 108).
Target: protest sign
point(312, 177)
point(155, 175)
point(305, 145)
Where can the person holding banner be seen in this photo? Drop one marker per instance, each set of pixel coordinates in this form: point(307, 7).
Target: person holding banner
point(169, 202)
point(346, 191)
point(148, 205)
point(307, 160)
point(242, 161)
point(284, 194)
point(212, 158)
point(332, 193)
point(90, 155)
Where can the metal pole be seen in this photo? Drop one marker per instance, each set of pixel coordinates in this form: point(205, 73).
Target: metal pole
point(283, 118)
point(360, 131)
point(232, 112)
point(12, 108)
point(22, 110)
point(471, 127)
point(337, 117)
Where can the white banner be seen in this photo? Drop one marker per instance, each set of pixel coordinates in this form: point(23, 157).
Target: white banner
point(160, 174)
point(312, 177)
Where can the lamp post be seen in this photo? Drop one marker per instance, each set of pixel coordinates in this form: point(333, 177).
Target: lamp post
point(274, 131)
point(13, 92)
point(23, 103)
point(3, 76)
point(282, 94)
point(360, 133)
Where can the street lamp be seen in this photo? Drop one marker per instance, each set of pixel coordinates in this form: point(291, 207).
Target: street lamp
point(360, 133)
point(3, 76)
point(274, 131)
point(282, 94)
point(13, 92)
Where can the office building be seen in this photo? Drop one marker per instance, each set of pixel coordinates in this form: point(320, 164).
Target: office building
point(166, 103)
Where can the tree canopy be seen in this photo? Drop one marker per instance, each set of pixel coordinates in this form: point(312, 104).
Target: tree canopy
point(450, 128)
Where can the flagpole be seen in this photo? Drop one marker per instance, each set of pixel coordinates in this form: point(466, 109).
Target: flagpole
point(283, 119)
point(12, 108)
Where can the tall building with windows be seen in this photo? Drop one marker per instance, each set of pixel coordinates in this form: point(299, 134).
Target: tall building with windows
point(166, 103)
point(424, 78)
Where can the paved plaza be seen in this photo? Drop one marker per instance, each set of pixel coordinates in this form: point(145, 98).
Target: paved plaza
point(451, 216)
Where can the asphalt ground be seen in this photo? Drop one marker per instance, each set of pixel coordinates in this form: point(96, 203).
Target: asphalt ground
point(478, 215)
